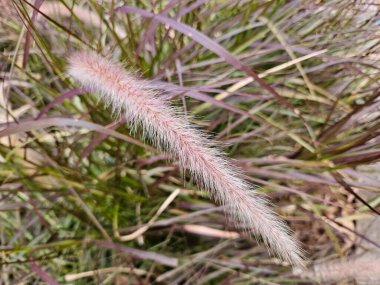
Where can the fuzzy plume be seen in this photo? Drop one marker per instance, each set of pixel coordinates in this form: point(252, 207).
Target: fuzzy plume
point(172, 133)
point(365, 270)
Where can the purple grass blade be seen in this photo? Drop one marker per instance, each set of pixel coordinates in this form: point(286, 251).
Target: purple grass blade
point(42, 274)
point(37, 5)
point(26, 125)
point(65, 95)
point(141, 254)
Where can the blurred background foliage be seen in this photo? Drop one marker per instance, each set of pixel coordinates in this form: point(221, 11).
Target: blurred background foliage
point(289, 88)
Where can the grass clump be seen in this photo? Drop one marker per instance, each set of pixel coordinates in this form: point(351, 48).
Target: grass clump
point(289, 88)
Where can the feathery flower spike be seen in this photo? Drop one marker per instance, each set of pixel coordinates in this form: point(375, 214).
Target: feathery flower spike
point(172, 133)
point(363, 269)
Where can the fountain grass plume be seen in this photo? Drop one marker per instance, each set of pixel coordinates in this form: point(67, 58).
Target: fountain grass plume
point(363, 269)
point(172, 133)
